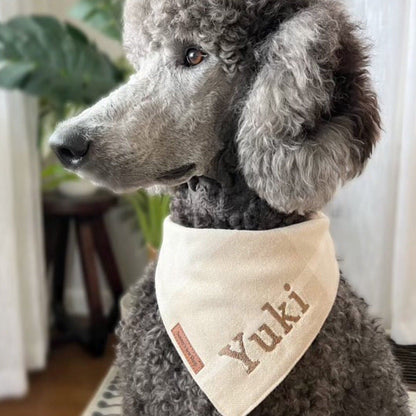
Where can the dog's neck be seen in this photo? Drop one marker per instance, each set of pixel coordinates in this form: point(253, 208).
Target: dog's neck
point(225, 202)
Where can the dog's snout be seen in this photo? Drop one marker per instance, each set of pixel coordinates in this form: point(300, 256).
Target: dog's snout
point(71, 147)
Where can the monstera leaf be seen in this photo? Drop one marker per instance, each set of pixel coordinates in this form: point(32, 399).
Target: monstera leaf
point(44, 57)
point(103, 15)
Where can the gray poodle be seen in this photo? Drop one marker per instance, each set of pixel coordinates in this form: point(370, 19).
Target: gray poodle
point(251, 113)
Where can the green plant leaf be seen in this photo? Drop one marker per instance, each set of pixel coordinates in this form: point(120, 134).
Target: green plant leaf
point(53, 175)
point(102, 15)
point(44, 57)
point(82, 10)
point(12, 73)
point(151, 210)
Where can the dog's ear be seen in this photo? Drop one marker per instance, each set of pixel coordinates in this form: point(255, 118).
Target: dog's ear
point(310, 119)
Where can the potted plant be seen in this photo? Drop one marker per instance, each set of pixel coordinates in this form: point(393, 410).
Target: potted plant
point(56, 62)
point(150, 212)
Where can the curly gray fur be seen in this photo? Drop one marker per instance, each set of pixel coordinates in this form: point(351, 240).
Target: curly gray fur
point(348, 371)
point(285, 80)
point(297, 143)
point(226, 203)
point(278, 116)
point(303, 122)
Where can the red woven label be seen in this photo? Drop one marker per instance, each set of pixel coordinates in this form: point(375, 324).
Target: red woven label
point(187, 349)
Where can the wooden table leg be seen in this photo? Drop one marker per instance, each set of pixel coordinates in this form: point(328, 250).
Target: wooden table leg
point(103, 246)
point(58, 278)
point(98, 328)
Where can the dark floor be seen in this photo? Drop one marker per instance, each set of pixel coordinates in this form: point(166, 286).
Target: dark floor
point(65, 387)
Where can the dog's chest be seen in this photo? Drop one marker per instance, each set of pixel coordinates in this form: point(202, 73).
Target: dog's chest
point(158, 378)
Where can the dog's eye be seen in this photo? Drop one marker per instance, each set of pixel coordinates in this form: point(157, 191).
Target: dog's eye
point(194, 56)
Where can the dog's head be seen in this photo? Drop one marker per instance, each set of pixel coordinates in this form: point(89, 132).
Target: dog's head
point(285, 80)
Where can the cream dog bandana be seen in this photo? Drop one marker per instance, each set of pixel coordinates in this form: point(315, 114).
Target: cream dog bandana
point(242, 307)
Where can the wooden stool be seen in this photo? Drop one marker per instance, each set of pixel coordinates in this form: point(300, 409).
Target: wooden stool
point(87, 214)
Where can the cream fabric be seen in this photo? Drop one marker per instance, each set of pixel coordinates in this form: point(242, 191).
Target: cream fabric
point(242, 307)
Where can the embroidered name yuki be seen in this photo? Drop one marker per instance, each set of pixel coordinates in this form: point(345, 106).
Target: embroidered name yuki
point(282, 317)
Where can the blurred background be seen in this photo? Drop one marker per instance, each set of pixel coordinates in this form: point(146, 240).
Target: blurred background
point(68, 251)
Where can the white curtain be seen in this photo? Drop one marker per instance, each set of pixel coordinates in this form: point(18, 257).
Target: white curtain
point(23, 303)
point(374, 218)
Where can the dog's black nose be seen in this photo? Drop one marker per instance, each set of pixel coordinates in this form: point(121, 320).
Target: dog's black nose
point(71, 147)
